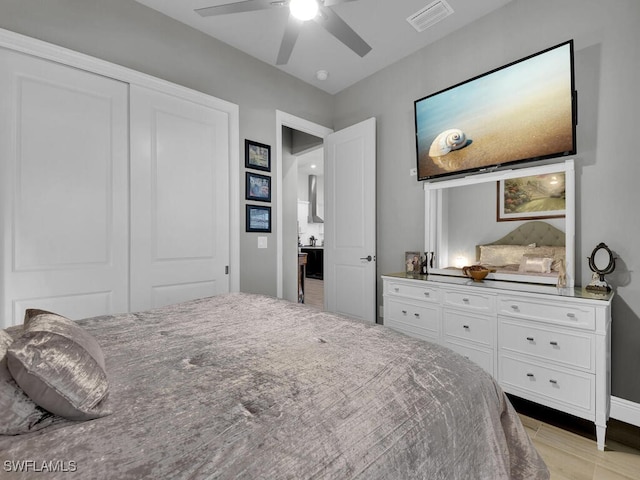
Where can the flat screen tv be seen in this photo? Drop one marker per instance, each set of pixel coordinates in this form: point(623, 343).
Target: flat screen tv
point(521, 112)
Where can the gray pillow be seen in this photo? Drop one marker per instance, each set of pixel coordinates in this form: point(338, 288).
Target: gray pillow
point(60, 366)
point(18, 413)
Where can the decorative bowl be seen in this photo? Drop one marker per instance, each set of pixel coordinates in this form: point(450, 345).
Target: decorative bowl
point(476, 272)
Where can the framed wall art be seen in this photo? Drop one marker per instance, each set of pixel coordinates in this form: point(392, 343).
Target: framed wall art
point(531, 198)
point(258, 187)
point(258, 218)
point(257, 155)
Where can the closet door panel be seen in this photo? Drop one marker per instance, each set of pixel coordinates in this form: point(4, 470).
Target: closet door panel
point(64, 174)
point(184, 196)
point(179, 200)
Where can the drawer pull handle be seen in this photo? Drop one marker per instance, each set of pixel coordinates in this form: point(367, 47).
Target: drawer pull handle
point(571, 315)
point(514, 307)
point(530, 339)
point(530, 375)
point(426, 294)
point(555, 344)
point(417, 315)
point(465, 300)
point(555, 382)
point(404, 312)
point(396, 289)
point(466, 327)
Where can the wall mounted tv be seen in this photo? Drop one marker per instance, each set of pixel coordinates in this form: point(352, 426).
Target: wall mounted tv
point(521, 112)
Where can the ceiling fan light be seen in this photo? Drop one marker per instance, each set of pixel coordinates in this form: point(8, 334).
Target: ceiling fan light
point(322, 75)
point(303, 9)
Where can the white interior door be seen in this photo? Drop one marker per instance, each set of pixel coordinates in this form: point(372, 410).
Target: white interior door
point(179, 200)
point(64, 181)
point(350, 221)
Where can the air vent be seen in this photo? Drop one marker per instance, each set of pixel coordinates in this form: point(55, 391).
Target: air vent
point(430, 15)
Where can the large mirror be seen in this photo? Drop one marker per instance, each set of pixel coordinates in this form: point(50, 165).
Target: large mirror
point(520, 223)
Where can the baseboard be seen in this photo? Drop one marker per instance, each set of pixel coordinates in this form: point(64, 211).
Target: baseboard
point(625, 411)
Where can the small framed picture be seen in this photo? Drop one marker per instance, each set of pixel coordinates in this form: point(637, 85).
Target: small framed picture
point(257, 155)
point(412, 262)
point(258, 218)
point(258, 187)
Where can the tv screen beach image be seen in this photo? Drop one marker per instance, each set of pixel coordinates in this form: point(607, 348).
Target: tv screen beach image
point(520, 112)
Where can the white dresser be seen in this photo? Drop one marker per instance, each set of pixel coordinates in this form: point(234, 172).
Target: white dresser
point(544, 344)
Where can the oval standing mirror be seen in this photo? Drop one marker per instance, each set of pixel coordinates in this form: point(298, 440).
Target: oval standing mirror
point(601, 262)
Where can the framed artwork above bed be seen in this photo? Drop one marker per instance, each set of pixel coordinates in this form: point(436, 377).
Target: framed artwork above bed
point(532, 198)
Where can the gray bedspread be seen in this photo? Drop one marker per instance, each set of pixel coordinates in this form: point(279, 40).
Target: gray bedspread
point(252, 387)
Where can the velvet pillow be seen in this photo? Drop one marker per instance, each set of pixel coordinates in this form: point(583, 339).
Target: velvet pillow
point(18, 413)
point(60, 366)
point(535, 264)
point(501, 255)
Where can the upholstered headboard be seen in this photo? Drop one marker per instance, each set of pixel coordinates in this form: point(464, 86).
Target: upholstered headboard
point(540, 233)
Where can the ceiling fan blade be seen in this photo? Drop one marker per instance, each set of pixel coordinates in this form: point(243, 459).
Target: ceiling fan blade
point(343, 32)
point(331, 3)
point(289, 40)
point(238, 7)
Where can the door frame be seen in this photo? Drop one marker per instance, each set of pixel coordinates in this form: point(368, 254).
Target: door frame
point(38, 48)
point(284, 119)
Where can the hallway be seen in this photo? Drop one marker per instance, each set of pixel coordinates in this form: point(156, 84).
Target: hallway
point(314, 293)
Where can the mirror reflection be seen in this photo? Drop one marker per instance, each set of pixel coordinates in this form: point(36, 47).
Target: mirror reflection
point(468, 230)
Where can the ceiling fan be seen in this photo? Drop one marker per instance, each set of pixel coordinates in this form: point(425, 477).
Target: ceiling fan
point(299, 11)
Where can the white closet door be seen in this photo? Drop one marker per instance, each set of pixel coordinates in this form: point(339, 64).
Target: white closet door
point(179, 199)
point(64, 181)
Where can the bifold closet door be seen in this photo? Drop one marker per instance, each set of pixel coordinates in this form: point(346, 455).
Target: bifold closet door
point(179, 199)
point(64, 181)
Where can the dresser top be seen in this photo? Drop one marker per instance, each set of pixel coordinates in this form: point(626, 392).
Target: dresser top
point(488, 285)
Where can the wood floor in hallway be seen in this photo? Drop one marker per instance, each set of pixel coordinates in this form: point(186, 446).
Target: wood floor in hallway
point(314, 293)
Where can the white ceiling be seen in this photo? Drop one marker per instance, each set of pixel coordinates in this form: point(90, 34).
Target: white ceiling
point(311, 163)
point(382, 24)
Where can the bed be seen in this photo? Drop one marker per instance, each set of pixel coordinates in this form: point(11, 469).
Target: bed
point(248, 386)
point(534, 249)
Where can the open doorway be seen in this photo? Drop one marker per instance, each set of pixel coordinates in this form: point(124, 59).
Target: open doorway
point(310, 223)
point(294, 137)
point(350, 212)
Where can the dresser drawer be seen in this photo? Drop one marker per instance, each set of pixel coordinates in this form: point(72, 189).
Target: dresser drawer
point(569, 348)
point(422, 320)
point(478, 355)
point(476, 302)
point(415, 291)
point(533, 381)
point(469, 327)
point(552, 312)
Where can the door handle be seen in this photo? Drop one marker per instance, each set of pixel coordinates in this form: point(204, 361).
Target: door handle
point(368, 258)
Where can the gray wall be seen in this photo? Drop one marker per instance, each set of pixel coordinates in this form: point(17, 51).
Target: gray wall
point(606, 38)
point(608, 74)
point(129, 34)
